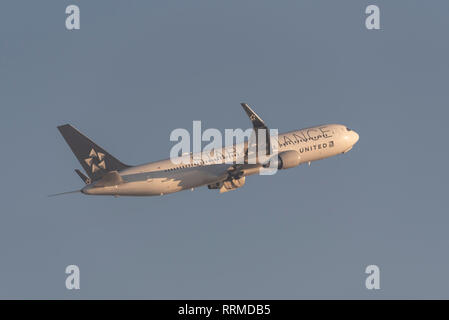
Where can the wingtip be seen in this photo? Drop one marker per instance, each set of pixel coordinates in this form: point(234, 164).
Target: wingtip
point(63, 126)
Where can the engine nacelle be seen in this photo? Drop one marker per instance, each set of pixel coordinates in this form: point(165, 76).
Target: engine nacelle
point(228, 185)
point(232, 184)
point(216, 185)
point(286, 160)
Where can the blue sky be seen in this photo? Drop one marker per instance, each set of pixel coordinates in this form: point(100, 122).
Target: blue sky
point(137, 70)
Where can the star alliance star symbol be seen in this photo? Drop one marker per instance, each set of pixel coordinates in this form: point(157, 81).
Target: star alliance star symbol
point(95, 161)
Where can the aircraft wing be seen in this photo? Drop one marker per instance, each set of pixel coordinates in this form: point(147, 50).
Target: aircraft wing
point(235, 171)
point(258, 124)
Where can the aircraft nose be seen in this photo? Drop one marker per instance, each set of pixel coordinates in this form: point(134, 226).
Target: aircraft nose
point(355, 137)
point(351, 137)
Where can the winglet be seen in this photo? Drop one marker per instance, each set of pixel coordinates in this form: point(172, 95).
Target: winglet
point(258, 123)
point(255, 119)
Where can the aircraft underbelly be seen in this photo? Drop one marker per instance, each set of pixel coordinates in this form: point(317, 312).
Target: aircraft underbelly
point(171, 183)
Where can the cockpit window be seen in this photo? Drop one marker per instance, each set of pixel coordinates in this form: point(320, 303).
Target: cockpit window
point(347, 129)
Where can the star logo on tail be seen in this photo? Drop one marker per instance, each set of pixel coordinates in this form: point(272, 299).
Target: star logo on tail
point(95, 161)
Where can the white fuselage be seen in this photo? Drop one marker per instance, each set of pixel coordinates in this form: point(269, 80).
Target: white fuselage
point(168, 176)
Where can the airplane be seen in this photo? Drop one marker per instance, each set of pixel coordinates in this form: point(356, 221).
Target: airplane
point(106, 175)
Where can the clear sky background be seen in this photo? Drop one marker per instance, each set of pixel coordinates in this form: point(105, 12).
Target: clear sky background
point(139, 69)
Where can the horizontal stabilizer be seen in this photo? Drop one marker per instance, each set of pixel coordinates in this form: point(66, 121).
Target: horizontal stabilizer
point(85, 179)
point(62, 193)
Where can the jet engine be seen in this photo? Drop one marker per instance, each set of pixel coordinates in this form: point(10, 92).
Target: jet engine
point(287, 159)
point(228, 185)
point(232, 184)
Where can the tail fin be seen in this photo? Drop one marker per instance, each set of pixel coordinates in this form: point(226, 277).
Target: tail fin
point(95, 160)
